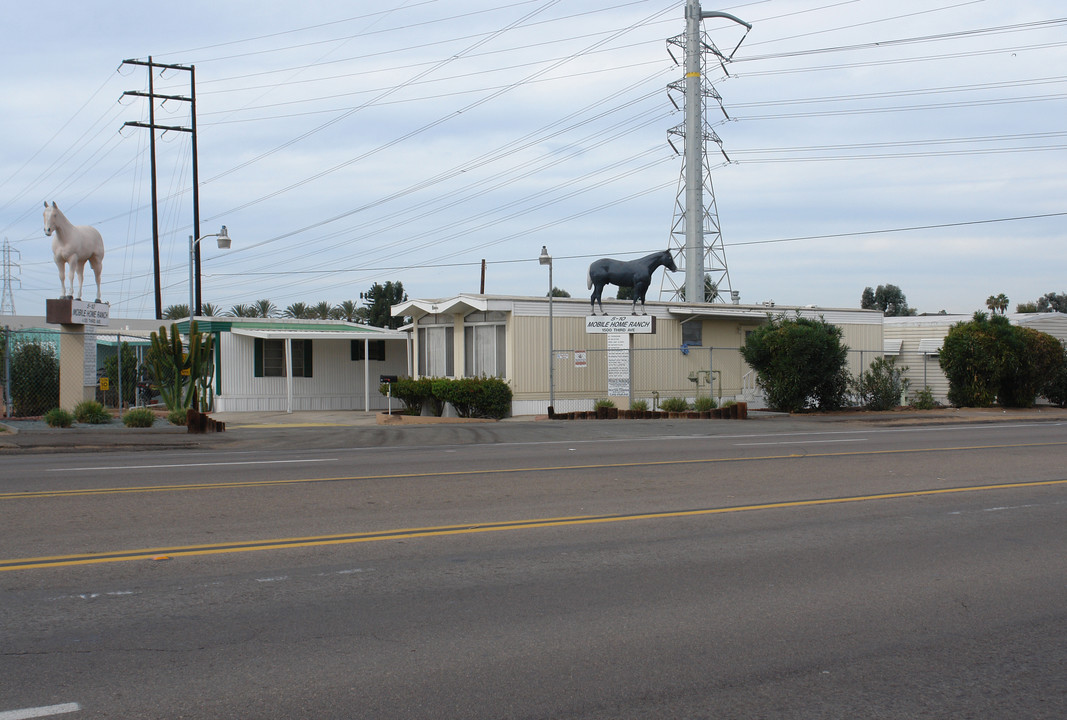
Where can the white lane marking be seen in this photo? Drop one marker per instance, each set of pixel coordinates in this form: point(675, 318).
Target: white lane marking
point(802, 442)
point(38, 712)
point(1010, 507)
point(183, 465)
point(1002, 508)
point(92, 595)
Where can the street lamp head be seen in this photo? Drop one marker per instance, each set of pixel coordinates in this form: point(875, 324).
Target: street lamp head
point(224, 239)
point(545, 258)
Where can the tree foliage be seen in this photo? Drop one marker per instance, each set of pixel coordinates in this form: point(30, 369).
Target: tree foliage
point(800, 363)
point(176, 312)
point(380, 298)
point(1052, 302)
point(34, 378)
point(264, 308)
point(987, 360)
point(889, 299)
point(997, 303)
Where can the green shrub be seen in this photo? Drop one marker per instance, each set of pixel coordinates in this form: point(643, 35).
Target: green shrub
point(461, 392)
point(674, 404)
point(799, 362)
point(58, 417)
point(924, 399)
point(881, 385)
point(139, 418)
point(495, 400)
point(34, 378)
point(1055, 389)
point(603, 403)
point(704, 404)
point(488, 397)
point(91, 412)
point(989, 359)
point(178, 417)
point(415, 394)
point(641, 405)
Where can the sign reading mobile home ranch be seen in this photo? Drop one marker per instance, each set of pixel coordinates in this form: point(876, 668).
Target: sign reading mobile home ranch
point(641, 324)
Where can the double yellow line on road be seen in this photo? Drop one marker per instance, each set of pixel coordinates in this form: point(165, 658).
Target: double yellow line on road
point(443, 530)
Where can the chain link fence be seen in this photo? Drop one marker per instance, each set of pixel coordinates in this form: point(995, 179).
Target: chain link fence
point(655, 374)
point(30, 377)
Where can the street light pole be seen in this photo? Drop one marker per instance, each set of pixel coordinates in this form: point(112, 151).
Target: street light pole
point(546, 259)
point(224, 244)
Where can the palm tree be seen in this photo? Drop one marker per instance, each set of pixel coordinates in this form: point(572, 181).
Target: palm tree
point(321, 310)
point(210, 310)
point(297, 310)
point(176, 312)
point(997, 303)
point(241, 310)
point(348, 311)
point(264, 308)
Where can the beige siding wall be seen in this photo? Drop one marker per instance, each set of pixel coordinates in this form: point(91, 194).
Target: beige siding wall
point(658, 365)
point(922, 370)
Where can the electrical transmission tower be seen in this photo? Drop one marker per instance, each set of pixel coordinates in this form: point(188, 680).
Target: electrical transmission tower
point(695, 233)
point(7, 298)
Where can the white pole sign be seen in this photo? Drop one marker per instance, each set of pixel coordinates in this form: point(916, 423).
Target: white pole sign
point(618, 365)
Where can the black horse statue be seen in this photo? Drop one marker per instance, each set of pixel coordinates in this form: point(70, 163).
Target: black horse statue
point(634, 273)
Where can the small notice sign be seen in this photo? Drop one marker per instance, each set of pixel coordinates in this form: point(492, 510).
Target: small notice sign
point(626, 324)
point(580, 359)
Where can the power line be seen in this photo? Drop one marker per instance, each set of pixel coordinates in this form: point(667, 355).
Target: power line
point(828, 236)
point(978, 32)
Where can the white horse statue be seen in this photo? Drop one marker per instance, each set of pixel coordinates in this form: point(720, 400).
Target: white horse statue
point(73, 245)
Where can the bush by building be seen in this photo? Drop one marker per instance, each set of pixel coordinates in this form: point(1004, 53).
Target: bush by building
point(987, 360)
point(881, 385)
point(800, 363)
point(486, 397)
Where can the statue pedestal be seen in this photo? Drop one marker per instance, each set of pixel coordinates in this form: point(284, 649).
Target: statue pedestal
point(77, 349)
point(76, 382)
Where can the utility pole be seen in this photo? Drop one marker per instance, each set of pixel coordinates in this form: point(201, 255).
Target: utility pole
point(152, 127)
point(704, 262)
point(7, 299)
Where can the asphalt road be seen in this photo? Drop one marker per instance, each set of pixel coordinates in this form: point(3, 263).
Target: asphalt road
point(761, 572)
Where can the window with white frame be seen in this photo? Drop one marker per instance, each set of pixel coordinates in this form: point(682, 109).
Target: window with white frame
point(436, 346)
point(484, 344)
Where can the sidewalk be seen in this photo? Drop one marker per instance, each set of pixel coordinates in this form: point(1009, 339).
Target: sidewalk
point(350, 428)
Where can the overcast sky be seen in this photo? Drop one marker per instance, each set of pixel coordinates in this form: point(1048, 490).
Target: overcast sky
point(918, 143)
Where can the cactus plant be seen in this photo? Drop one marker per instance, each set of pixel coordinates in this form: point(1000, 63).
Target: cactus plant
point(182, 374)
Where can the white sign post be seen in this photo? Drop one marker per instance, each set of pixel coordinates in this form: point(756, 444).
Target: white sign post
point(620, 330)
